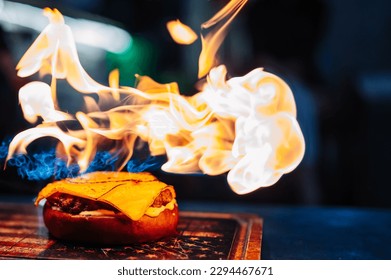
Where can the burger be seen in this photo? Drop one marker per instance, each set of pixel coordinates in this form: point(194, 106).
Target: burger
point(110, 208)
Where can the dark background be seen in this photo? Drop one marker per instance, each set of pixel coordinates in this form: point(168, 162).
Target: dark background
point(335, 55)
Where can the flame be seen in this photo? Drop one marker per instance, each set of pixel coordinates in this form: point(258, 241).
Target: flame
point(181, 33)
point(35, 100)
point(244, 126)
point(212, 41)
point(54, 52)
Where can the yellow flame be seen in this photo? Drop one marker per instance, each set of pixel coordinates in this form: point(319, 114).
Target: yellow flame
point(114, 83)
point(35, 100)
point(245, 126)
point(181, 33)
point(54, 52)
point(212, 41)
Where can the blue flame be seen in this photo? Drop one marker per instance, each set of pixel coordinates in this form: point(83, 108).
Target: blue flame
point(4, 149)
point(149, 164)
point(45, 165)
point(103, 161)
point(42, 166)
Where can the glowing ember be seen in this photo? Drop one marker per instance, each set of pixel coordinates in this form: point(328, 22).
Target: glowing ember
point(181, 33)
point(245, 126)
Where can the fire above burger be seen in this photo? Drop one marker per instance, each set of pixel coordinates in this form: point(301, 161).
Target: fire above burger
point(243, 126)
point(110, 208)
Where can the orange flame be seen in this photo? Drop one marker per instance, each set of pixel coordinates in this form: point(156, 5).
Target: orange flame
point(212, 41)
point(245, 126)
point(181, 33)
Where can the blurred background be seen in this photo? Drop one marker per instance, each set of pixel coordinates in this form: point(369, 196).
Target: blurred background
point(335, 55)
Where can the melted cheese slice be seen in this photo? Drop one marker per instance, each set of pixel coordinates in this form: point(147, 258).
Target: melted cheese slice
point(130, 193)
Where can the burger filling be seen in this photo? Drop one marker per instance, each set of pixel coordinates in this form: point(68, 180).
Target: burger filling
point(82, 206)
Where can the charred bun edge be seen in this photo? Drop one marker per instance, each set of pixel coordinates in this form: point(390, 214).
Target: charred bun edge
point(115, 229)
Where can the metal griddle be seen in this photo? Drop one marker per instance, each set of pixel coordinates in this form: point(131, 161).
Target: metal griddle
point(208, 236)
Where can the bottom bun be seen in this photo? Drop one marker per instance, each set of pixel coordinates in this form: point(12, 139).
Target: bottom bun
point(109, 230)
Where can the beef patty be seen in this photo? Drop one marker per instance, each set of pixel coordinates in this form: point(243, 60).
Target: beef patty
point(74, 204)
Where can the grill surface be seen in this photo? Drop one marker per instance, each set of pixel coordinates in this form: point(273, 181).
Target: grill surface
point(201, 236)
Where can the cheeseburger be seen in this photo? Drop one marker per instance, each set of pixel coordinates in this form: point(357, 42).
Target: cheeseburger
point(110, 208)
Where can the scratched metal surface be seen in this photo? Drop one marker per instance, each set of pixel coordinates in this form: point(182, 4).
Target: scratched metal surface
point(200, 236)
